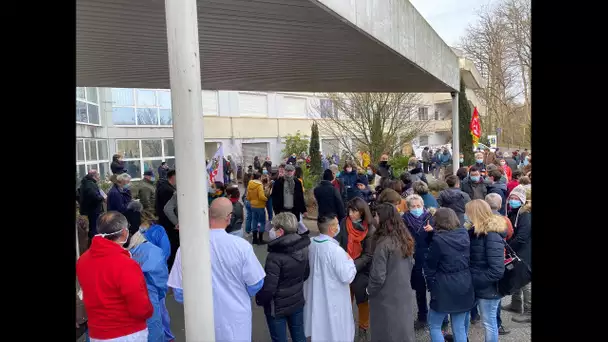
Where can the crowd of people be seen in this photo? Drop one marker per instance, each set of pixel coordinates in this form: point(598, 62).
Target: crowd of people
point(383, 243)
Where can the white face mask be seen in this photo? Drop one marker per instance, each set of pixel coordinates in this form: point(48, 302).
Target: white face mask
point(272, 234)
point(115, 233)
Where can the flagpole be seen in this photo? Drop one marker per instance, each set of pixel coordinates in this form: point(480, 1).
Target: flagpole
point(455, 134)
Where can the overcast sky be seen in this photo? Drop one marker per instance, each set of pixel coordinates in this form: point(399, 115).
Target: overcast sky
point(450, 18)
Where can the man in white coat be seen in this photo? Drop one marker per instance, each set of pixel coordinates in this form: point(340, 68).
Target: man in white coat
point(328, 312)
point(236, 276)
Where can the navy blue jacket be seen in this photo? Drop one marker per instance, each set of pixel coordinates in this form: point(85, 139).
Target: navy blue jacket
point(448, 276)
point(487, 263)
point(421, 238)
point(500, 189)
point(118, 199)
point(350, 183)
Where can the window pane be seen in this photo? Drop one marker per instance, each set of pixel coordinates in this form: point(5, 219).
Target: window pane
point(164, 99)
point(129, 148)
point(169, 147)
point(93, 114)
point(82, 171)
point(147, 116)
point(133, 168)
point(152, 165)
point(102, 149)
point(170, 162)
point(79, 150)
point(123, 116)
point(151, 148)
point(91, 149)
point(146, 98)
point(80, 93)
point(104, 170)
point(122, 97)
point(92, 167)
point(166, 117)
point(92, 95)
point(81, 112)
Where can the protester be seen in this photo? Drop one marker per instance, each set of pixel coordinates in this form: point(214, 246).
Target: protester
point(267, 182)
point(292, 159)
point(390, 296)
point(474, 184)
point(487, 262)
point(257, 200)
point(328, 313)
point(391, 196)
point(146, 192)
point(384, 169)
point(328, 198)
point(288, 194)
point(453, 197)
point(507, 170)
point(426, 159)
point(373, 179)
point(413, 167)
point(520, 214)
point(257, 166)
point(162, 170)
point(119, 195)
point(235, 227)
point(336, 182)
point(422, 189)
point(525, 181)
point(514, 181)
point(324, 162)
point(526, 165)
point(91, 200)
point(445, 159)
point(154, 266)
point(416, 218)
point(355, 237)
point(286, 270)
point(215, 191)
point(462, 173)
point(479, 161)
point(349, 179)
point(165, 189)
point(236, 276)
point(448, 276)
point(406, 180)
point(364, 192)
point(118, 164)
point(496, 187)
point(113, 285)
point(82, 231)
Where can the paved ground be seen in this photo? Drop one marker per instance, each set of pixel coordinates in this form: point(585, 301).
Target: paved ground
point(519, 332)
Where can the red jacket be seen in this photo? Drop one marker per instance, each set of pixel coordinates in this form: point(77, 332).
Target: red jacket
point(511, 185)
point(114, 290)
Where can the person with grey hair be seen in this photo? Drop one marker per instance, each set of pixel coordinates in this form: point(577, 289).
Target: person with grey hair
point(329, 317)
point(288, 194)
point(113, 285)
point(422, 189)
point(119, 195)
point(286, 270)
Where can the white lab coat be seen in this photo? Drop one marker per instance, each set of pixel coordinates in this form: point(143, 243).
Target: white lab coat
point(234, 266)
point(328, 312)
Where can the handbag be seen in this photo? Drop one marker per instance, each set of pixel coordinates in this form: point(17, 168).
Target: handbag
point(517, 273)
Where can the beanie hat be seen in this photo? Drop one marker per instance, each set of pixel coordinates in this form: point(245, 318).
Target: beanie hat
point(519, 192)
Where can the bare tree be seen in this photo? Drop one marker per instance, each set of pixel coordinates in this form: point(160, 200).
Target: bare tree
point(376, 122)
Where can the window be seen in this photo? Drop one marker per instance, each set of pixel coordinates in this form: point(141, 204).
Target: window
point(210, 102)
point(436, 115)
point(92, 154)
point(141, 107)
point(294, 106)
point(326, 108)
point(253, 104)
point(87, 106)
point(423, 140)
point(145, 154)
point(423, 113)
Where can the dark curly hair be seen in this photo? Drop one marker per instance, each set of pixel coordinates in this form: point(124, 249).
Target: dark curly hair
point(391, 226)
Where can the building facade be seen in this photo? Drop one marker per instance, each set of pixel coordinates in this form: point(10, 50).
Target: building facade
point(138, 123)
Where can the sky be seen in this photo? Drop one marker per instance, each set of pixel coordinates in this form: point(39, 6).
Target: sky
point(450, 18)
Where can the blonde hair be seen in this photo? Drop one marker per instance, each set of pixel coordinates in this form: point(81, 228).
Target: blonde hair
point(484, 221)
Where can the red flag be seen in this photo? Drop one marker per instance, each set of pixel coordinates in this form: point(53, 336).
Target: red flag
point(475, 127)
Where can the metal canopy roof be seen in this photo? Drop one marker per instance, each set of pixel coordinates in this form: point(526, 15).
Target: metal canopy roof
point(273, 45)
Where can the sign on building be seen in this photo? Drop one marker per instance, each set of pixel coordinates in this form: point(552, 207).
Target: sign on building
point(493, 139)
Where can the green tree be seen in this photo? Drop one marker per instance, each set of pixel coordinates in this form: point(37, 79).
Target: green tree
point(295, 144)
point(314, 151)
point(464, 119)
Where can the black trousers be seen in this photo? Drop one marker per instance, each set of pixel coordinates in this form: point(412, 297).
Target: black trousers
point(173, 236)
point(425, 167)
point(419, 285)
point(93, 224)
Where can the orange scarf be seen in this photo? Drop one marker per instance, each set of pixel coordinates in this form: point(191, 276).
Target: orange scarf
point(355, 237)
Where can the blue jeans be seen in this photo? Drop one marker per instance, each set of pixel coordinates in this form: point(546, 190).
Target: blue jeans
point(248, 216)
point(460, 325)
point(487, 309)
point(475, 314)
point(258, 217)
point(269, 208)
point(295, 322)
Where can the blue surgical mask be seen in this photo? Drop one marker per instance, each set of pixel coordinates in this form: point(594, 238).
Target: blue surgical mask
point(475, 178)
point(461, 160)
point(526, 162)
point(126, 186)
point(514, 203)
point(338, 174)
point(370, 172)
point(466, 218)
point(479, 161)
point(264, 172)
point(417, 212)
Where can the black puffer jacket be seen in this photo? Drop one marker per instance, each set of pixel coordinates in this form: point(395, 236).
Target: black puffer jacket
point(329, 200)
point(90, 198)
point(164, 192)
point(487, 263)
point(286, 270)
point(454, 199)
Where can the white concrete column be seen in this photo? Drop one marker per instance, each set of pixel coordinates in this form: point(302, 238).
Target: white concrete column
point(455, 136)
point(186, 100)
